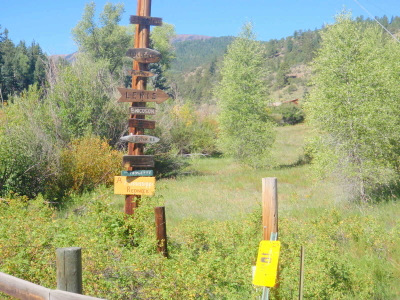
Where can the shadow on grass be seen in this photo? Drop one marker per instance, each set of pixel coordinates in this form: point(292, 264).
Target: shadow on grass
point(302, 160)
point(387, 193)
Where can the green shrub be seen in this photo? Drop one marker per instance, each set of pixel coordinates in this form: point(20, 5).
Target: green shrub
point(291, 113)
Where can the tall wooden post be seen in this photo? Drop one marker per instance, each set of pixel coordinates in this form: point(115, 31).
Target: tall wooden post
point(269, 215)
point(270, 207)
point(161, 230)
point(142, 37)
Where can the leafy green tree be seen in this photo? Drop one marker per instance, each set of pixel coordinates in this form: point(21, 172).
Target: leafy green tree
point(246, 132)
point(354, 105)
point(107, 40)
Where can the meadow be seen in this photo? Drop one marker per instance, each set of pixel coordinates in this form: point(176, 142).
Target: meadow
point(214, 227)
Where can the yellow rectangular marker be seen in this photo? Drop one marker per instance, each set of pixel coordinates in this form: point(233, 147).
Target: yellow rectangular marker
point(267, 263)
point(126, 185)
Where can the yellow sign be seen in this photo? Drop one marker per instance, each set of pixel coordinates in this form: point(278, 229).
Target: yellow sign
point(267, 263)
point(126, 185)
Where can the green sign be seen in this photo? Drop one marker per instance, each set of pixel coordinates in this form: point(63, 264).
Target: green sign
point(137, 173)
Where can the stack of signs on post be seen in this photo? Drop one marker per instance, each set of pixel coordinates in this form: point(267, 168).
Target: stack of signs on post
point(140, 181)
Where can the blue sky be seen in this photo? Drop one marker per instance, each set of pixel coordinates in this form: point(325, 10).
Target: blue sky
point(49, 22)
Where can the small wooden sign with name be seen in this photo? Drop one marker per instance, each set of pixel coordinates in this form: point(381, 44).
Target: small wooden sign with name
point(137, 173)
point(124, 185)
point(142, 161)
point(142, 110)
point(142, 123)
point(146, 20)
point(144, 55)
point(140, 139)
point(141, 73)
point(133, 95)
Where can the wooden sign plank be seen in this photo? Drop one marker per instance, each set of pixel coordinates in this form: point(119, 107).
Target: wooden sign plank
point(144, 55)
point(141, 20)
point(140, 139)
point(124, 185)
point(142, 161)
point(142, 123)
point(142, 110)
point(133, 95)
point(137, 173)
point(141, 73)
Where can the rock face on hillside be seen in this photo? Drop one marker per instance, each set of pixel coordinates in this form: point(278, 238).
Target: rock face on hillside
point(189, 37)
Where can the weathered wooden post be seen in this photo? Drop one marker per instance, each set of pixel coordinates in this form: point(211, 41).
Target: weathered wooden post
point(161, 230)
point(270, 208)
point(69, 269)
point(301, 281)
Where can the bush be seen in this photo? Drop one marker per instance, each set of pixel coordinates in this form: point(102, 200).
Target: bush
point(84, 164)
point(291, 113)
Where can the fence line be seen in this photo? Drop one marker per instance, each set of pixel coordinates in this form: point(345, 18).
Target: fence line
point(25, 290)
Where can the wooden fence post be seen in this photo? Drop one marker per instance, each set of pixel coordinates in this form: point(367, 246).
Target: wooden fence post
point(301, 281)
point(161, 230)
point(69, 269)
point(270, 207)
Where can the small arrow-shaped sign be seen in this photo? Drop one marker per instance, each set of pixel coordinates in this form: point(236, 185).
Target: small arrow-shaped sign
point(141, 73)
point(140, 161)
point(132, 95)
point(140, 139)
point(144, 55)
point(141, 20)
point(142, 123)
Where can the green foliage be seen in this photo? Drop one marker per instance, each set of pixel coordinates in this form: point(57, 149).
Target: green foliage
point(184, 130)
point(106, 41)
point(353, 105)
point(81, 97)
point(245, 130)
point(28, 151)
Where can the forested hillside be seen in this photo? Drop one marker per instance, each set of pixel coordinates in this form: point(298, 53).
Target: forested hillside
point(20, 65)
point(196, 68)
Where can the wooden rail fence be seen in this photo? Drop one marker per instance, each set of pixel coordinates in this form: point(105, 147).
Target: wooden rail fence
point(25, 290)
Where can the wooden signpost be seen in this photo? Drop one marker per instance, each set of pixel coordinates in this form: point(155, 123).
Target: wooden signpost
point(136, 181)
point(134, 95)
point(143, 139)
point(144, 55)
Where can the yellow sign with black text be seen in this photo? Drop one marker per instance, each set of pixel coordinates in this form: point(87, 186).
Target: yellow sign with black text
point(267, 263)
point(127, 185)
